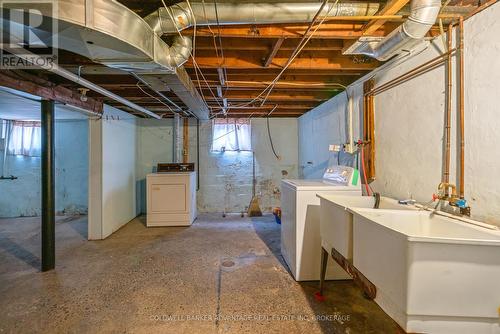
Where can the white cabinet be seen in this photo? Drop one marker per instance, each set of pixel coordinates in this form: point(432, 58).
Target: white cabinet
point(171, 199)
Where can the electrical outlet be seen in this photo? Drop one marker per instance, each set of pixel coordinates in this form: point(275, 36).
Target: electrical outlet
point(334, 148)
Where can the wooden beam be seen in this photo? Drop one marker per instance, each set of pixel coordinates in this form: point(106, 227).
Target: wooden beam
point(309, 61)
point(45, 89)
point(263, 44)
point(237, 112)
point(108, 74)
point(278, 95)
point(392, 7)
point(283, 101)
point(295, 79)
point(275, 71)
point(369, 289)
point(273, 52)
point(268, 107)
point(344, 30)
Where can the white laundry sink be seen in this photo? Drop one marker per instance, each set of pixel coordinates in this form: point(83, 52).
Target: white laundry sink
point(336, 220)
point(433, 274)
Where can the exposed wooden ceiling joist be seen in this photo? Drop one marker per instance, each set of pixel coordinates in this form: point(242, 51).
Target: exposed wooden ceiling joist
point(274, 51)
point(254, 55)
point(338, 30)
point(38, 86)
point(392, 7)
point(239, 44)
point(309, 61)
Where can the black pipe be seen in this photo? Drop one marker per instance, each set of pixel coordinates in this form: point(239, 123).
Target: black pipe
point(12, 177)
point(48, 198)
point(377, 200)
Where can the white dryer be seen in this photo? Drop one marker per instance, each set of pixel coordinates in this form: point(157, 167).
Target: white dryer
point(300, 226)
point(171, 199)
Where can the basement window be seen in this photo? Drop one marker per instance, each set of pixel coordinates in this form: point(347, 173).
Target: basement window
point(231, 134)
point(24, 139)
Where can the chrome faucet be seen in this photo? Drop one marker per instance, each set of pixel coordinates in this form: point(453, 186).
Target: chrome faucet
point(452, 198)
point(407, 201)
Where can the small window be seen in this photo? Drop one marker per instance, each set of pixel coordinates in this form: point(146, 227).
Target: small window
point(24, 138)
point(231, 134)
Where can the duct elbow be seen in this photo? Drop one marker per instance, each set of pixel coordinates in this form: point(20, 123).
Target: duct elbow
point(180, 50)
point(172, 20)
point(423, 15)
point(161, 23)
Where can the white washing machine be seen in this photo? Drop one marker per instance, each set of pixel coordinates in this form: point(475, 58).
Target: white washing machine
point(300, 226)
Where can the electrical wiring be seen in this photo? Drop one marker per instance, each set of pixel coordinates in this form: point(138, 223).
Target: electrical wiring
point(169, 12)
point(177, 107)
point(210, 29)
point(271, 139)
point(194, 54)
point(196, 66)
point(299, 48)
point(152, 96)
point(265, 93)
point(221, 61)
point(197, 69)
point(220, 41)
point(295, 54)
point(257, 98)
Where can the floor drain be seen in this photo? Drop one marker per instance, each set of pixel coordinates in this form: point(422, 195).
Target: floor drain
point(228, 263)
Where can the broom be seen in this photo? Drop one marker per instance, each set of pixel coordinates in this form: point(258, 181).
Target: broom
point(254, 208)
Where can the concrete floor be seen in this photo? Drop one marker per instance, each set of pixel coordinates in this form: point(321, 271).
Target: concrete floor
point(169, 280)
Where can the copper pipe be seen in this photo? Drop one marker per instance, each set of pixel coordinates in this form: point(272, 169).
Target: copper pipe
point(407, 77)
point(461, 106)
point(427, 66)
point(417, 70)
point(446, 174)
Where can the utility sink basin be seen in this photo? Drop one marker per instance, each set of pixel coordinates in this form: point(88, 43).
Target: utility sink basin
point(433, 274)
point(336, 220)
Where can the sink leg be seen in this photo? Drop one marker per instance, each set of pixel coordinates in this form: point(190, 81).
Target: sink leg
point(324, 262)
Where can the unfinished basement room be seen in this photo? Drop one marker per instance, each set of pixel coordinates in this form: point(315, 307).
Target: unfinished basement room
point(225, 166)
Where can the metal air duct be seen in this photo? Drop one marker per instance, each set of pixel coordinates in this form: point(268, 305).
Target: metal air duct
point(109, 33)
point(423, 15)
point(247, 13)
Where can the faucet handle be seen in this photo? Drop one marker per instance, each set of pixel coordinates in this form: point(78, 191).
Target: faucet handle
point(461, 203)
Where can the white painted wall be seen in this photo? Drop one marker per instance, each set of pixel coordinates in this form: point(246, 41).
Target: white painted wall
point(410, 123)
point(324, 125)
point(154, 145)
point(225, 179)
point(22, 197)
point(112, 193)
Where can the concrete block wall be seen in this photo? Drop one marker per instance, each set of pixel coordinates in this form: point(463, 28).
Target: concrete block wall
point(225, 178)
point(409, 123)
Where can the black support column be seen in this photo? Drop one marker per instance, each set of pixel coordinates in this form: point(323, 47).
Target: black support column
point(48, 194)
